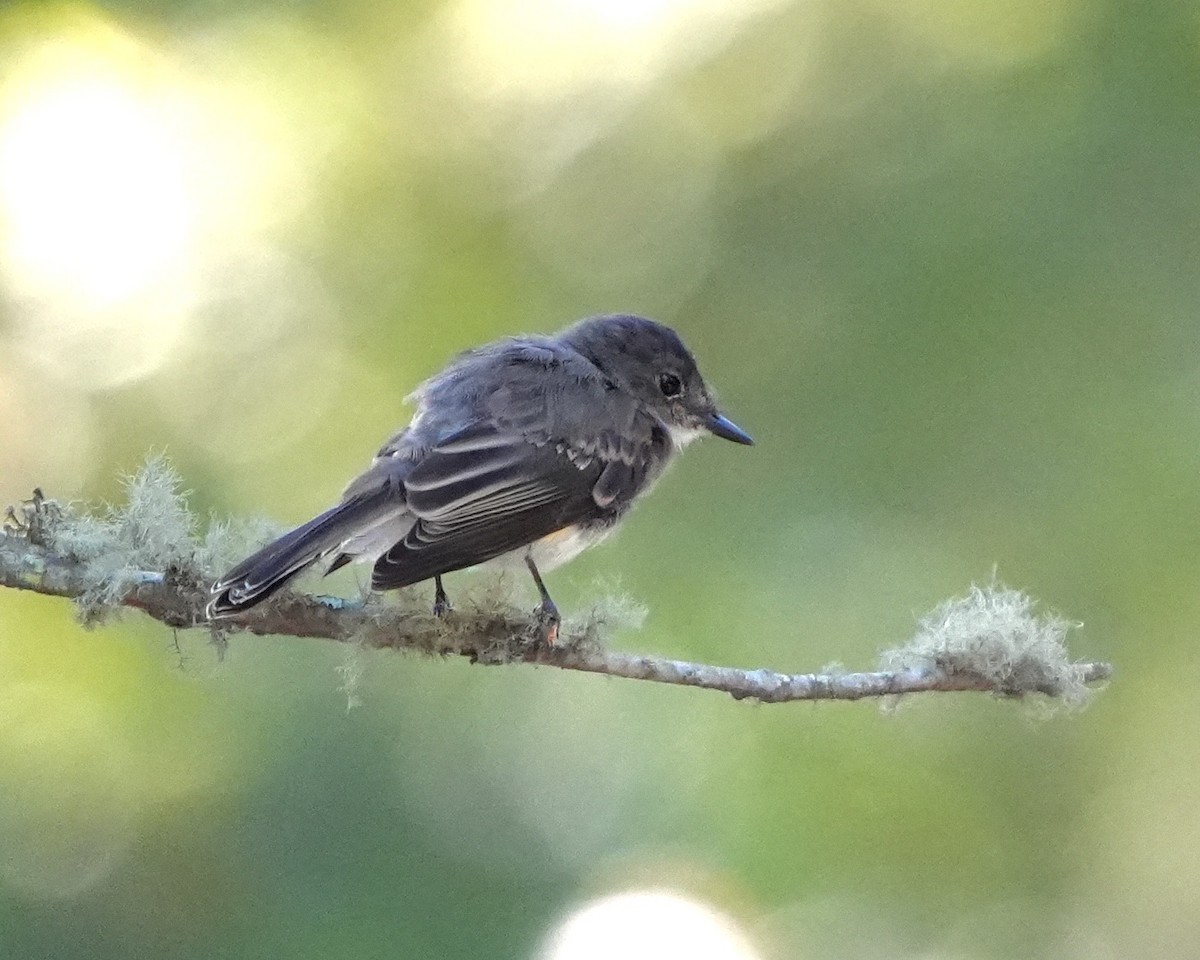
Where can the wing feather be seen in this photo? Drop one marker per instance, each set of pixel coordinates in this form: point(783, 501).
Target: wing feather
point(480, 494)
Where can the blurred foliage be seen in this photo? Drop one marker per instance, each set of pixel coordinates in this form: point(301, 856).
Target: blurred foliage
point(938, 257)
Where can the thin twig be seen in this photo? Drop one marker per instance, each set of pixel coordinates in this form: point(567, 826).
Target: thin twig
point(483, 636)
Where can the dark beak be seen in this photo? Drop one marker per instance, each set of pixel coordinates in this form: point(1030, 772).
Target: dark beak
point(726, 429)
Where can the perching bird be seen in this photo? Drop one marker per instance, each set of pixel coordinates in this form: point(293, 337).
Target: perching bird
point(526, 450)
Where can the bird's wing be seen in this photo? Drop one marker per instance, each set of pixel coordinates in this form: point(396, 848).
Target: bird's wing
point(481, 493)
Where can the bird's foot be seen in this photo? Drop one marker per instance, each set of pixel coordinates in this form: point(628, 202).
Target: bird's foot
point(441, 602)
point(548, 621)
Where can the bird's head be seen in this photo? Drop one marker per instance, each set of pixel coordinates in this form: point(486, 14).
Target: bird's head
point(650, 362)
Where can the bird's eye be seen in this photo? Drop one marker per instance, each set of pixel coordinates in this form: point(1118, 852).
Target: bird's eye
point(669, 384)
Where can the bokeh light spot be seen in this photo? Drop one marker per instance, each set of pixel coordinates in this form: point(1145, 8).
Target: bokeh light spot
point(263, 407)
point(130, 172)
point(657, 231)
point(547, 49)
point(69, 804)
point(92, 184)
point(98, 220)
point(647, 925)
point(987, 35)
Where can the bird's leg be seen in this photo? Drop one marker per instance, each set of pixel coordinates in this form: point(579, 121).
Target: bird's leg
point(547, 612)
point(441, 602)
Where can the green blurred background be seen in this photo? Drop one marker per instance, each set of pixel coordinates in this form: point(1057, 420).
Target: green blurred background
point(940, 259)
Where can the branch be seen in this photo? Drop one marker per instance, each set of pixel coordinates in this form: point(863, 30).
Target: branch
point(148, 555)
point(486, 635)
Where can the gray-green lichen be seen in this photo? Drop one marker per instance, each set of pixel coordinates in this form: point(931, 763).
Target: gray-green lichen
point(155, 534)
point(994, 634)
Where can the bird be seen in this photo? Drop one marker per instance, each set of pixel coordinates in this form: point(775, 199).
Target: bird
point(523, 451)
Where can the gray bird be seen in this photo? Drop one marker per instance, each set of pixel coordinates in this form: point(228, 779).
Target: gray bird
point(527, 450)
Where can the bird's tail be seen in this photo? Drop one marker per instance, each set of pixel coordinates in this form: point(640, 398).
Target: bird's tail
point(260, 575)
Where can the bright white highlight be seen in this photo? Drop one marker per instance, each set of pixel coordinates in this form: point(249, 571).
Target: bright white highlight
point(98, 207)
point(128, 181)
point(93, 190)
point(647, 925)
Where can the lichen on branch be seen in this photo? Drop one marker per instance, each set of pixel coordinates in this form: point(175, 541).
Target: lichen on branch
point(994, 634)
point(150, 553)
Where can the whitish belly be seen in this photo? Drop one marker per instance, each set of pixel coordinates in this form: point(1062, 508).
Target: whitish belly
point(553, 550)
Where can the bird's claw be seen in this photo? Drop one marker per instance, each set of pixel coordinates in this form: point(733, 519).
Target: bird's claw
point(548, 621)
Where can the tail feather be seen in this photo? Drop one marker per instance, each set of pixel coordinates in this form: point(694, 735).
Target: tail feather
point(263, 573)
